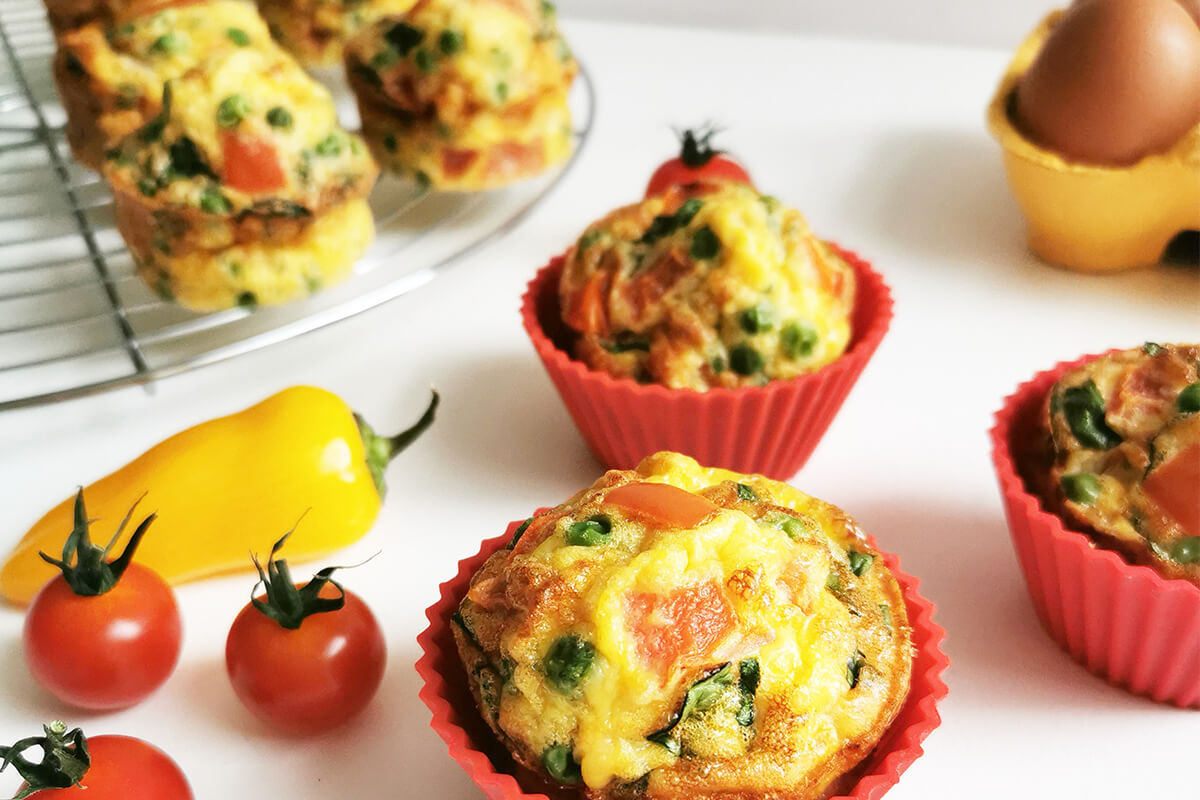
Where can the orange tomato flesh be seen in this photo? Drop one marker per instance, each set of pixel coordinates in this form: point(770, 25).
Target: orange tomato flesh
point(1175, 487)
point(681, 628)
point(661, 504)
point(251, 164)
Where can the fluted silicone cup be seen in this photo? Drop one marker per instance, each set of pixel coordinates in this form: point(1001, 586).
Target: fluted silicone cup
point(1124, 622)
point(473, 745)
point(770, 430)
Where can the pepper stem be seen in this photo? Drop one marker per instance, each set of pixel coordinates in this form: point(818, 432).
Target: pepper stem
point(84, 565)
point(380, 450)
point(64, 761)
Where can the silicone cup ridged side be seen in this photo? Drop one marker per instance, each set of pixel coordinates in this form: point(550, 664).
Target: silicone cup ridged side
point(1122, 621)
point(770, 430)
point(472, 744)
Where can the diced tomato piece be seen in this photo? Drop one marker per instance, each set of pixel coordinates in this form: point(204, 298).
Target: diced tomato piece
point(251, 163)
point(661, 504)
point(680, 629)
point(455, 161)
point(586, 310)
point(1175, 487)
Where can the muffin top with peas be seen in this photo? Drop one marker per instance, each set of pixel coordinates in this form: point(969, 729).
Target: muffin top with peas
point(708, 284)
point(247, 132)
point(676, 631)
point(1125, 433)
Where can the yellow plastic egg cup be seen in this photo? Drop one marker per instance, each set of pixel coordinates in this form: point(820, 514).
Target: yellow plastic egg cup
point(1087, 217)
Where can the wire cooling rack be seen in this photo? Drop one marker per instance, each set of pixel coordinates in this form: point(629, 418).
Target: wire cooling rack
point(74, 317)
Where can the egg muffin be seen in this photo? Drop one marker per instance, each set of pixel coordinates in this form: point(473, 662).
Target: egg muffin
point(1125, 439)
point(677, 631)
point(245, 189)
point(110, 75)
point(465, 94)
point(314, 31)
point(707, 284)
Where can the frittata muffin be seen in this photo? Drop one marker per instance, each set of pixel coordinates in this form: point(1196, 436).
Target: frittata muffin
point(678, 632)
point(110, 74)
point(314, 31)
point(245, 189)
point(1125, 435)
point(465, 94)
point(708, 284)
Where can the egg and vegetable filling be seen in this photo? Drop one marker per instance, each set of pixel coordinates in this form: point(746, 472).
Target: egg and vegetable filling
point(247, 152)
point(314, 31)
point(111, 78)
point(1125, 431)
point(676, 631)
point(709, 284)
point(465, 94)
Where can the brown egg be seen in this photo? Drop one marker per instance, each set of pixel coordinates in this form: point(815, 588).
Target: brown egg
point(1115, 81)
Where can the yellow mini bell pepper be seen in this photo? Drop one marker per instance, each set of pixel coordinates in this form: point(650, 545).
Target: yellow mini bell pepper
point(230, 486)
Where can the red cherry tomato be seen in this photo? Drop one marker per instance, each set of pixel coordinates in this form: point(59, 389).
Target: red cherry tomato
point(1175, 486)
point(251, 164)
point(314, 677)
point(662, 504)
point(679, 629)
point(697, 161)
point(124, 768)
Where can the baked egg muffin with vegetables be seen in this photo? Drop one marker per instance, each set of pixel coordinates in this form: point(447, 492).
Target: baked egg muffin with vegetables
point(314, 31)
point(110, 76)
point(677, 631)
point(245, 189)
point(1125, 435)
point(465, 94)
point(707, 284)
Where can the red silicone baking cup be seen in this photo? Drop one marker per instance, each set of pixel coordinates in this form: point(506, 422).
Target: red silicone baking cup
point(770, 430)
point(473, 745)
point(1124, 622)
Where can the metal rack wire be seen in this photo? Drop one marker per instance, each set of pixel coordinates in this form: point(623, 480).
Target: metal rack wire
point(74, 317)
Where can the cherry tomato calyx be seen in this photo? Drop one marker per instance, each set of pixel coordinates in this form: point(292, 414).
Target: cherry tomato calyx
point(696, 148)
point(284, 601)
point(84, 565)
point(65, 759)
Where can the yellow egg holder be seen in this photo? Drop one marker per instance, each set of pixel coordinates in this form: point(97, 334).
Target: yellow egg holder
point(1087, 217)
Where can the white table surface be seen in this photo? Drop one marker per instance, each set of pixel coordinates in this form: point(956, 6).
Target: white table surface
point(883, 147)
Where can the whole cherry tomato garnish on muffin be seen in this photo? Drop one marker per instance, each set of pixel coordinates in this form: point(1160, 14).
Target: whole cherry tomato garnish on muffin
point(104, 634)
point(304, 658)
point(99, 768)
point(697, 161)
point(251, 163)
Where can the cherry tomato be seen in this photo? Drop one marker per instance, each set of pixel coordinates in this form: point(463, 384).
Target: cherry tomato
point(107, 649)
point(251, 164)
point(304, 658)
point(697, 161)
point(662, 504)
point(67, 764)
point(1173, 486)
point(681, 628)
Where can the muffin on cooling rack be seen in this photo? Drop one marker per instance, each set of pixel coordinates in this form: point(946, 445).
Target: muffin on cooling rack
point(110, 74)
point(464, 94)
point(314, 31)
point(245, 189)
point(676, 631)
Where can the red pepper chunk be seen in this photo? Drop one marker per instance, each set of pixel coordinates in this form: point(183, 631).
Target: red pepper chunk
point(680, 629)
point(251, 163)
point(661, 504)
point(1175, 487)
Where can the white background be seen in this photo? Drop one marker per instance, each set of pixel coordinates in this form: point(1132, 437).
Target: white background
point(883, 147)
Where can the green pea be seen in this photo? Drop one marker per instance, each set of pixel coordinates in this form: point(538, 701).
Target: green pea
point(705, 244)
point(745, 492)
point(450, 42)
point(717, 364)
point(756, 319)
point(147, 186)
point(798, 339)
point(745, 360)
point(860, 562)
point(1187, 550)
point(424, 60)
point(589, 532)
point(232, 111)
point(279, 117)
point(247, 300)
point(238, 36)
point(560, 764)
point(166, 44)
point(1188, 401)
point(567, 662)
point(213, 202)
point(331, 145)
point(793, 527)
point(389, 143)
point(1082, 488)
point(404, 37)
